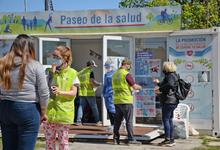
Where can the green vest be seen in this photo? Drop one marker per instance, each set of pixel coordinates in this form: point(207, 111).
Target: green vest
point(121, 88)
point(86, 88)
point(61, 108)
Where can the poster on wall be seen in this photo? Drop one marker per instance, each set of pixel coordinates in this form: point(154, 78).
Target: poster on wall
point(5, 46)
point(193, 57)
point(146, 69)
point(145, 103)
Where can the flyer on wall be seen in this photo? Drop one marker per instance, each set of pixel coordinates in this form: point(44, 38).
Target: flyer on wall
point(193, 57)
point(146, 68)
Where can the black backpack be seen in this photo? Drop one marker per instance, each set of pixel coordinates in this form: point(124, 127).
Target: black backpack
point(183, 89)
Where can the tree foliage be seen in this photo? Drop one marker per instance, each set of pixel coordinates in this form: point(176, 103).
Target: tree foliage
point(196, 14)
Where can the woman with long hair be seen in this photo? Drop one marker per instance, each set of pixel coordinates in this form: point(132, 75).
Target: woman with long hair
point(23, 95)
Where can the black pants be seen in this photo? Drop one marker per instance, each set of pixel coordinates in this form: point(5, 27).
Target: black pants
point(124, 111)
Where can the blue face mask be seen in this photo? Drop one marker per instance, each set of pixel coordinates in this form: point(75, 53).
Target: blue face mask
point(57, 61)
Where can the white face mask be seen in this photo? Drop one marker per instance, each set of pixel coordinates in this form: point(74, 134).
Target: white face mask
point(108, 69)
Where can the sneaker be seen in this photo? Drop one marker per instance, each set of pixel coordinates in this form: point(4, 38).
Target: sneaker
point(116, 141)
point(166, 141)
point(171, 143)
point(78, 124)
point(134, 142)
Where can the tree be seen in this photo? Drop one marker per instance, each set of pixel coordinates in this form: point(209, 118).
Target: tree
point(196, 14)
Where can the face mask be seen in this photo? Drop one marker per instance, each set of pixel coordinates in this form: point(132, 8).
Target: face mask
point(128, 68)
point(108, 69)
point(57, 61)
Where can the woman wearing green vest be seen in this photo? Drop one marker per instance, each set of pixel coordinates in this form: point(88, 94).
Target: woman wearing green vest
point(123, 83)
point(60, 109)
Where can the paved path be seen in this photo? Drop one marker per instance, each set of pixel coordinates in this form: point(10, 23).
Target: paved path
point(181, 144)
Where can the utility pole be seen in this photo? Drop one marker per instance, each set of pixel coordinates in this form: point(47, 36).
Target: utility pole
point(48, 5)
point(25, 5)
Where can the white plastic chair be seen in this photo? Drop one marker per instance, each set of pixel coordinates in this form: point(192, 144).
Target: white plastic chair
point(181, 121)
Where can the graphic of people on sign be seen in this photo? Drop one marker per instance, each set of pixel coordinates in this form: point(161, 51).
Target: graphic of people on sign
point(49, 20)
point(165, 17)
point(31, 24)
point(35, 22)
point(164, 14)
point(23, 21)
point(7, 29)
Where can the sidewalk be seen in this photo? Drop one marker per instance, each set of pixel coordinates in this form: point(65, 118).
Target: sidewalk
point(181, 144)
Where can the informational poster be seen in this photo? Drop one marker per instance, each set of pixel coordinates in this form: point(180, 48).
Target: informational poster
point(146, 69)
point(193, 57)
point(5, 46)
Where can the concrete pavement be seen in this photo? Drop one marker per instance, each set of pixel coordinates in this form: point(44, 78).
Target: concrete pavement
point(181, 144)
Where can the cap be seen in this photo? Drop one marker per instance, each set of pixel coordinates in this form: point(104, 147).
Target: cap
point(126, 62)
point(109, 63)
point(91, 63)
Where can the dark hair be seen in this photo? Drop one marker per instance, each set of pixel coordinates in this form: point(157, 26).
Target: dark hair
point(22, 47)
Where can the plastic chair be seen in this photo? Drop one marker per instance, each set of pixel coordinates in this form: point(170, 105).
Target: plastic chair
point(181, 121)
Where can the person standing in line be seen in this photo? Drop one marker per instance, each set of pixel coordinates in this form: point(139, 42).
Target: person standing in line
point(23, 95)
point(108, 92)
point(60, 109)
point(166, 89)
point(123, 83)
point(87, 92)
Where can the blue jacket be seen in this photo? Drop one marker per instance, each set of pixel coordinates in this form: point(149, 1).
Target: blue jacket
point(108, 92)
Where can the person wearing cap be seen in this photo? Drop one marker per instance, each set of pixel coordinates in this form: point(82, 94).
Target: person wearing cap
point(87, 92)
point(123, 83)
point(108, 92)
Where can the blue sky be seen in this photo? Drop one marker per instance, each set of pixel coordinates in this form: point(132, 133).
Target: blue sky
point(38, 5)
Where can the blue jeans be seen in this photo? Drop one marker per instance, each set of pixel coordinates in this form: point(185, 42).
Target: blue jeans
point(20, 124)
point(167, 118)
point(91, 101)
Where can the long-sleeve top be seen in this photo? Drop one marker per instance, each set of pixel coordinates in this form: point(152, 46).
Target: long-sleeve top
point(107, 87)
point(108, 92)
point(168, 87)
point(35, 88)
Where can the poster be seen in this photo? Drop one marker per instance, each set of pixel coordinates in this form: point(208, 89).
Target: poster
point(146, 69)
point(145, 103)
point(193, 57)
